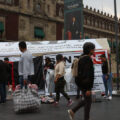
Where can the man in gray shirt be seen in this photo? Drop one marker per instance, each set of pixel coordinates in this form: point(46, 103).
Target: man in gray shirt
point(26, 66)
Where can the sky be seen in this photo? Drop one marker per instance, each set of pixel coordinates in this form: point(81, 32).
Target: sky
point(105, 5)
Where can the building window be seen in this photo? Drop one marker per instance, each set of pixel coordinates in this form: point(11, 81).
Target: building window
point(28, 3)
point(101, 26)
point(16, 2)
point(98, 24)
point(105, 26)
point(94, 23)
point(90, 21)
point(48, 8)
point(9, 2)
point(1, 27)
point(2, 1)
point(86, 20)
point(113, 28)
point(39, 33)
point(108, 26)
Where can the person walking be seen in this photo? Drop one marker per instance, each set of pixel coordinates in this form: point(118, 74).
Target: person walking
point(26, 66)
point(74, 69)
point(85, 81)
point(4, 73)
point(9, 73)
point(60, 81)
point(107, 77)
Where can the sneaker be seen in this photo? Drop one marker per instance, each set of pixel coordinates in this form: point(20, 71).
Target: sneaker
point(110, 98)
point(71, 114)
point(70, 102)
point(105, 97)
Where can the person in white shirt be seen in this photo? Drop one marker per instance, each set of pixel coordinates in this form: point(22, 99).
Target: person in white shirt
point(25, 66)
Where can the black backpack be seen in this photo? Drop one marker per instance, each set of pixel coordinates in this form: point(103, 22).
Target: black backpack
point(82, 78)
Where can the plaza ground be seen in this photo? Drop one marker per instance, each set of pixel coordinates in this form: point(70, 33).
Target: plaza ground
point(107, 110)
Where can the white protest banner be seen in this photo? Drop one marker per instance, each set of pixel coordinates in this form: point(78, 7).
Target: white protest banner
point(43, 47)
point(71, 87)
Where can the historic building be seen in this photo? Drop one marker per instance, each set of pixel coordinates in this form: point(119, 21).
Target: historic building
point(44, 20)
point(31, 20)
point(100, 25)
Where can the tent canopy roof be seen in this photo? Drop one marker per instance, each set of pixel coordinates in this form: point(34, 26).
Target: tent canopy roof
point(39, 48)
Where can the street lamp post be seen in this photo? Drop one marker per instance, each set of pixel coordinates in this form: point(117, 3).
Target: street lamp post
point(116, 38)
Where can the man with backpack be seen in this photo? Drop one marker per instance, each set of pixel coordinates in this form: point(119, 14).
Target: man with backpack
point(85, 80)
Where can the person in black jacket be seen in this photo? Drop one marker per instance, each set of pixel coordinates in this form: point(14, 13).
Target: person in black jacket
point(4, 68)
point(9, 71)
point(86, 80)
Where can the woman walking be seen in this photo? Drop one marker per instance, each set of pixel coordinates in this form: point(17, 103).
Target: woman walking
point(60, 81)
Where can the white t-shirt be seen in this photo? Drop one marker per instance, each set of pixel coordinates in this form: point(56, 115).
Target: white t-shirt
point(60, 69)
point(26, 66)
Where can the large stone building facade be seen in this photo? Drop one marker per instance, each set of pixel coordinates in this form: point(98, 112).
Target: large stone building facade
point(44, 20)
point(100, 25)
point(31, 20)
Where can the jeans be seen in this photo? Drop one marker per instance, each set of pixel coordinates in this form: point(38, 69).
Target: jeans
point(87, 105)
point(108, 84)
point(3, 92)
point(21, 81)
